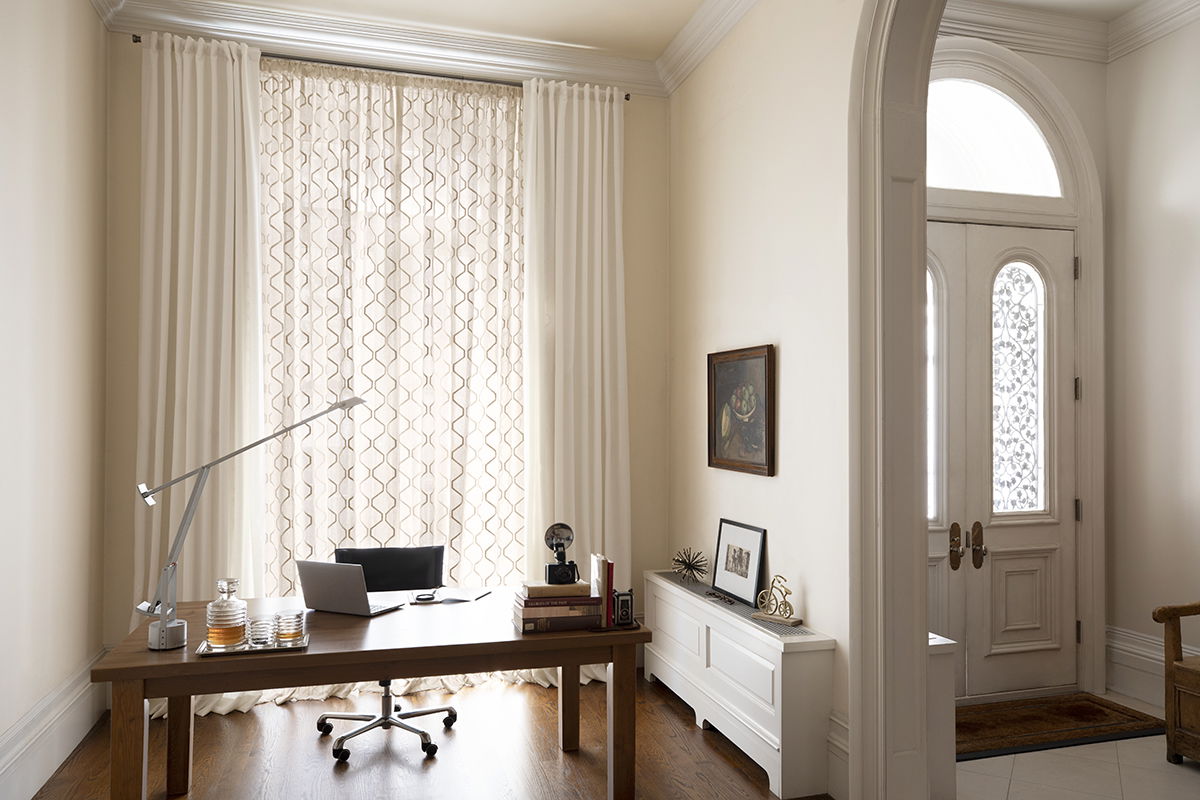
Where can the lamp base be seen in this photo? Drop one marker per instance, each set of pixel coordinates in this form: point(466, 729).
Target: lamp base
point(170, 635)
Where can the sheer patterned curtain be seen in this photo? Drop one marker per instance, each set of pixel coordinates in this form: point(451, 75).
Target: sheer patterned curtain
point(393, 269)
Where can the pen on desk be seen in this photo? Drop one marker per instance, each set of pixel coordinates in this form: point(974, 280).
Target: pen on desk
point(485, 594)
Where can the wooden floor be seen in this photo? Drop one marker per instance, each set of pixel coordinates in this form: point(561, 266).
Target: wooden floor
point(504, 747)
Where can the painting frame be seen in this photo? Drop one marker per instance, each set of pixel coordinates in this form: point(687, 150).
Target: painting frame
point(742, 438)
point(737, 570)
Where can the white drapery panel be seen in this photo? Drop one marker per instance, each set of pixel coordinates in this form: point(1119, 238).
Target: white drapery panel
point(199, 353)
point(393, 270)
point(576, 407)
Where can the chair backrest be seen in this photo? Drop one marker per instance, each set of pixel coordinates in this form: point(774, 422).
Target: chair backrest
point(390, 569)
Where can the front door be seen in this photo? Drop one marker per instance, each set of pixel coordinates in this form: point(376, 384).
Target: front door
point(1001, 423)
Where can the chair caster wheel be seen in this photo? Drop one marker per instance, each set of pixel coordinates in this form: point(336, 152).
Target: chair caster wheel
point(397, 708)
point(430, 749)
point(450, 720)
point(325, 728)
point(341, 755)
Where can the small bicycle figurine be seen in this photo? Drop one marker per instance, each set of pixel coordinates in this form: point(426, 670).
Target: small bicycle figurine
point(774, 600)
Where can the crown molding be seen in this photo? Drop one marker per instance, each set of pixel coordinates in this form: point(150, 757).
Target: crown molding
point(1027, 30)
point(373, 42)
point(106, 9)
point(1150, 21)
point(699, 37)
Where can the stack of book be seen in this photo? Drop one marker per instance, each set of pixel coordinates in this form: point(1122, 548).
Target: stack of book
point(544, 607)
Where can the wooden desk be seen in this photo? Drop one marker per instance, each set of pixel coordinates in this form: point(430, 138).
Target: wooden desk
point(414, 642)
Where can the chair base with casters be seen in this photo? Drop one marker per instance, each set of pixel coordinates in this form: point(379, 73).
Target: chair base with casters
point(389, 716)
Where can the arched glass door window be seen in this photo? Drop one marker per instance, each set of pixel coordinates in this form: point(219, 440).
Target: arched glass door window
point(1018, 389)
point(979, 140)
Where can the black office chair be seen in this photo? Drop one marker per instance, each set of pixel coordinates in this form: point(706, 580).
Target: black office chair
point(390, 569)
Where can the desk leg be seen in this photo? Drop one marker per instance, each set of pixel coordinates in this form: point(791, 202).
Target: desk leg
point(622, 715)
point(180, 722)
point(568, 707)
point(128, 726)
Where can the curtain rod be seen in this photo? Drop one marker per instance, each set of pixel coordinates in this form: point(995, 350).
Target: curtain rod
point(137, 39)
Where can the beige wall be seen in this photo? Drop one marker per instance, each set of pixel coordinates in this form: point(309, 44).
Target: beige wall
point(1154, 332)
point(759, 255)
point(52, 329)
point(646, 267)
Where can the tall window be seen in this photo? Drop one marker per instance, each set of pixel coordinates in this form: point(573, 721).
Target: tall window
point(392, 219)
point(979, 140)
point(1018, 389)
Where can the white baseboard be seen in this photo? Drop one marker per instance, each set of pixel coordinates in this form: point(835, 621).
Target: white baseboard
point(1135, 665)
point(839, 757)
point(34, 747)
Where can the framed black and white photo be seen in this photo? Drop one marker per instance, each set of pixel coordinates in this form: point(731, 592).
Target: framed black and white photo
point(738, 564)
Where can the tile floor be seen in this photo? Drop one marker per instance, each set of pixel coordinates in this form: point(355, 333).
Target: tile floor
point(1131, 769)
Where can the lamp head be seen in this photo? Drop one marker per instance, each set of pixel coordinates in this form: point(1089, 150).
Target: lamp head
point(146, 494)
point(349, 402)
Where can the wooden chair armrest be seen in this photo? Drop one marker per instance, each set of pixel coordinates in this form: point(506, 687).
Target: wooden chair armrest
point(1164, 613)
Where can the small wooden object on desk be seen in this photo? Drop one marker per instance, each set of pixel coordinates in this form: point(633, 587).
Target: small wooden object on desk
point(773, 605)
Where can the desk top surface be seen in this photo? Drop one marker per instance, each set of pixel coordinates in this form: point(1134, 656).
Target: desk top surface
point(415, 632)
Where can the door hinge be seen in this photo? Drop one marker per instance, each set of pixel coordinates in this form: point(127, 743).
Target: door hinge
point(1076, 267)
point(1078, 388)
point(1078, 510)
point(1078, 631)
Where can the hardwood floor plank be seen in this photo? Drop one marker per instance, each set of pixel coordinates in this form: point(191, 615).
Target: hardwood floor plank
point(505, 746)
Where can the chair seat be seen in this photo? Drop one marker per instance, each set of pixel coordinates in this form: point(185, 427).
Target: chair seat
point(1187, 674)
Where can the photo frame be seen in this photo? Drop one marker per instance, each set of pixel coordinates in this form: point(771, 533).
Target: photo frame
point(737, 567)
point(741, 410)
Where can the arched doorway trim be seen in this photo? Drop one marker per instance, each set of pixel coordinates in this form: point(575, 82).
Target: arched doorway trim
point(888, 748)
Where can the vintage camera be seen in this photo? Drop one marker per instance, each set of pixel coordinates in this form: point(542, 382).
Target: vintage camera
point(558, 538)
point(623, 608)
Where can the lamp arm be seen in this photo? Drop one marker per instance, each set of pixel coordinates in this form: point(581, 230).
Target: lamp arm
point(147, 494)
point(163, 603)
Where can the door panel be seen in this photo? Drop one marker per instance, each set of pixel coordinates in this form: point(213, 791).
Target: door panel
point(1010, 452)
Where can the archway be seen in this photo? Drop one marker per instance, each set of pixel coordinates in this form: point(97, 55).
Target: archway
point(888, 556)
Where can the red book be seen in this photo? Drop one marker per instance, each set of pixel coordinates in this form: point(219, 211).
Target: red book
point(608, 596)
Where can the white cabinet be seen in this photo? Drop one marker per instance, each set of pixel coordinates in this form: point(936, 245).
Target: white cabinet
point(766, 687)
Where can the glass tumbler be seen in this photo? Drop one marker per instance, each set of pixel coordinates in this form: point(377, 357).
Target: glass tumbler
point(226, 617)
point(262, 631)
point(289, 627)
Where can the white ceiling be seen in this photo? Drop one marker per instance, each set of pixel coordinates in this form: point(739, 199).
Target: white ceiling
point(1103, 10)
point(634, 28)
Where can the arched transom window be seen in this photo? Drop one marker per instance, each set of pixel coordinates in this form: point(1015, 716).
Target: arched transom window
point(980, 140)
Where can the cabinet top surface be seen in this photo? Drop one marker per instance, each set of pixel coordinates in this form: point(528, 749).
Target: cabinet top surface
point(781, 636)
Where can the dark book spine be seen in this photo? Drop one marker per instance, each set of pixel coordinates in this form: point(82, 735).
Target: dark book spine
point(550, 624)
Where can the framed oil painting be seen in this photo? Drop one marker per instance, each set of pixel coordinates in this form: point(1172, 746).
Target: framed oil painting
point(741, 410)
point(738, 565)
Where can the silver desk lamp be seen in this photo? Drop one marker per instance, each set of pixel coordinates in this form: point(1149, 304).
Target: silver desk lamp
point(168, 631)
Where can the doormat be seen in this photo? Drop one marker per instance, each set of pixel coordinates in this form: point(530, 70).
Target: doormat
point(1022, 726)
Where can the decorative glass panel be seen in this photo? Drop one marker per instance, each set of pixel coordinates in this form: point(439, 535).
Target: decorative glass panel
point(932, 357)
point(979, 140)
point(1018, 389)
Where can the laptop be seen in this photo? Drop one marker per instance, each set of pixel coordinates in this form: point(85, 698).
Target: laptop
point(340, 588)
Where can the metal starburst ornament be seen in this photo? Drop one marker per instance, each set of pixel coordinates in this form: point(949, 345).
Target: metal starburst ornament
point(690, 565)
